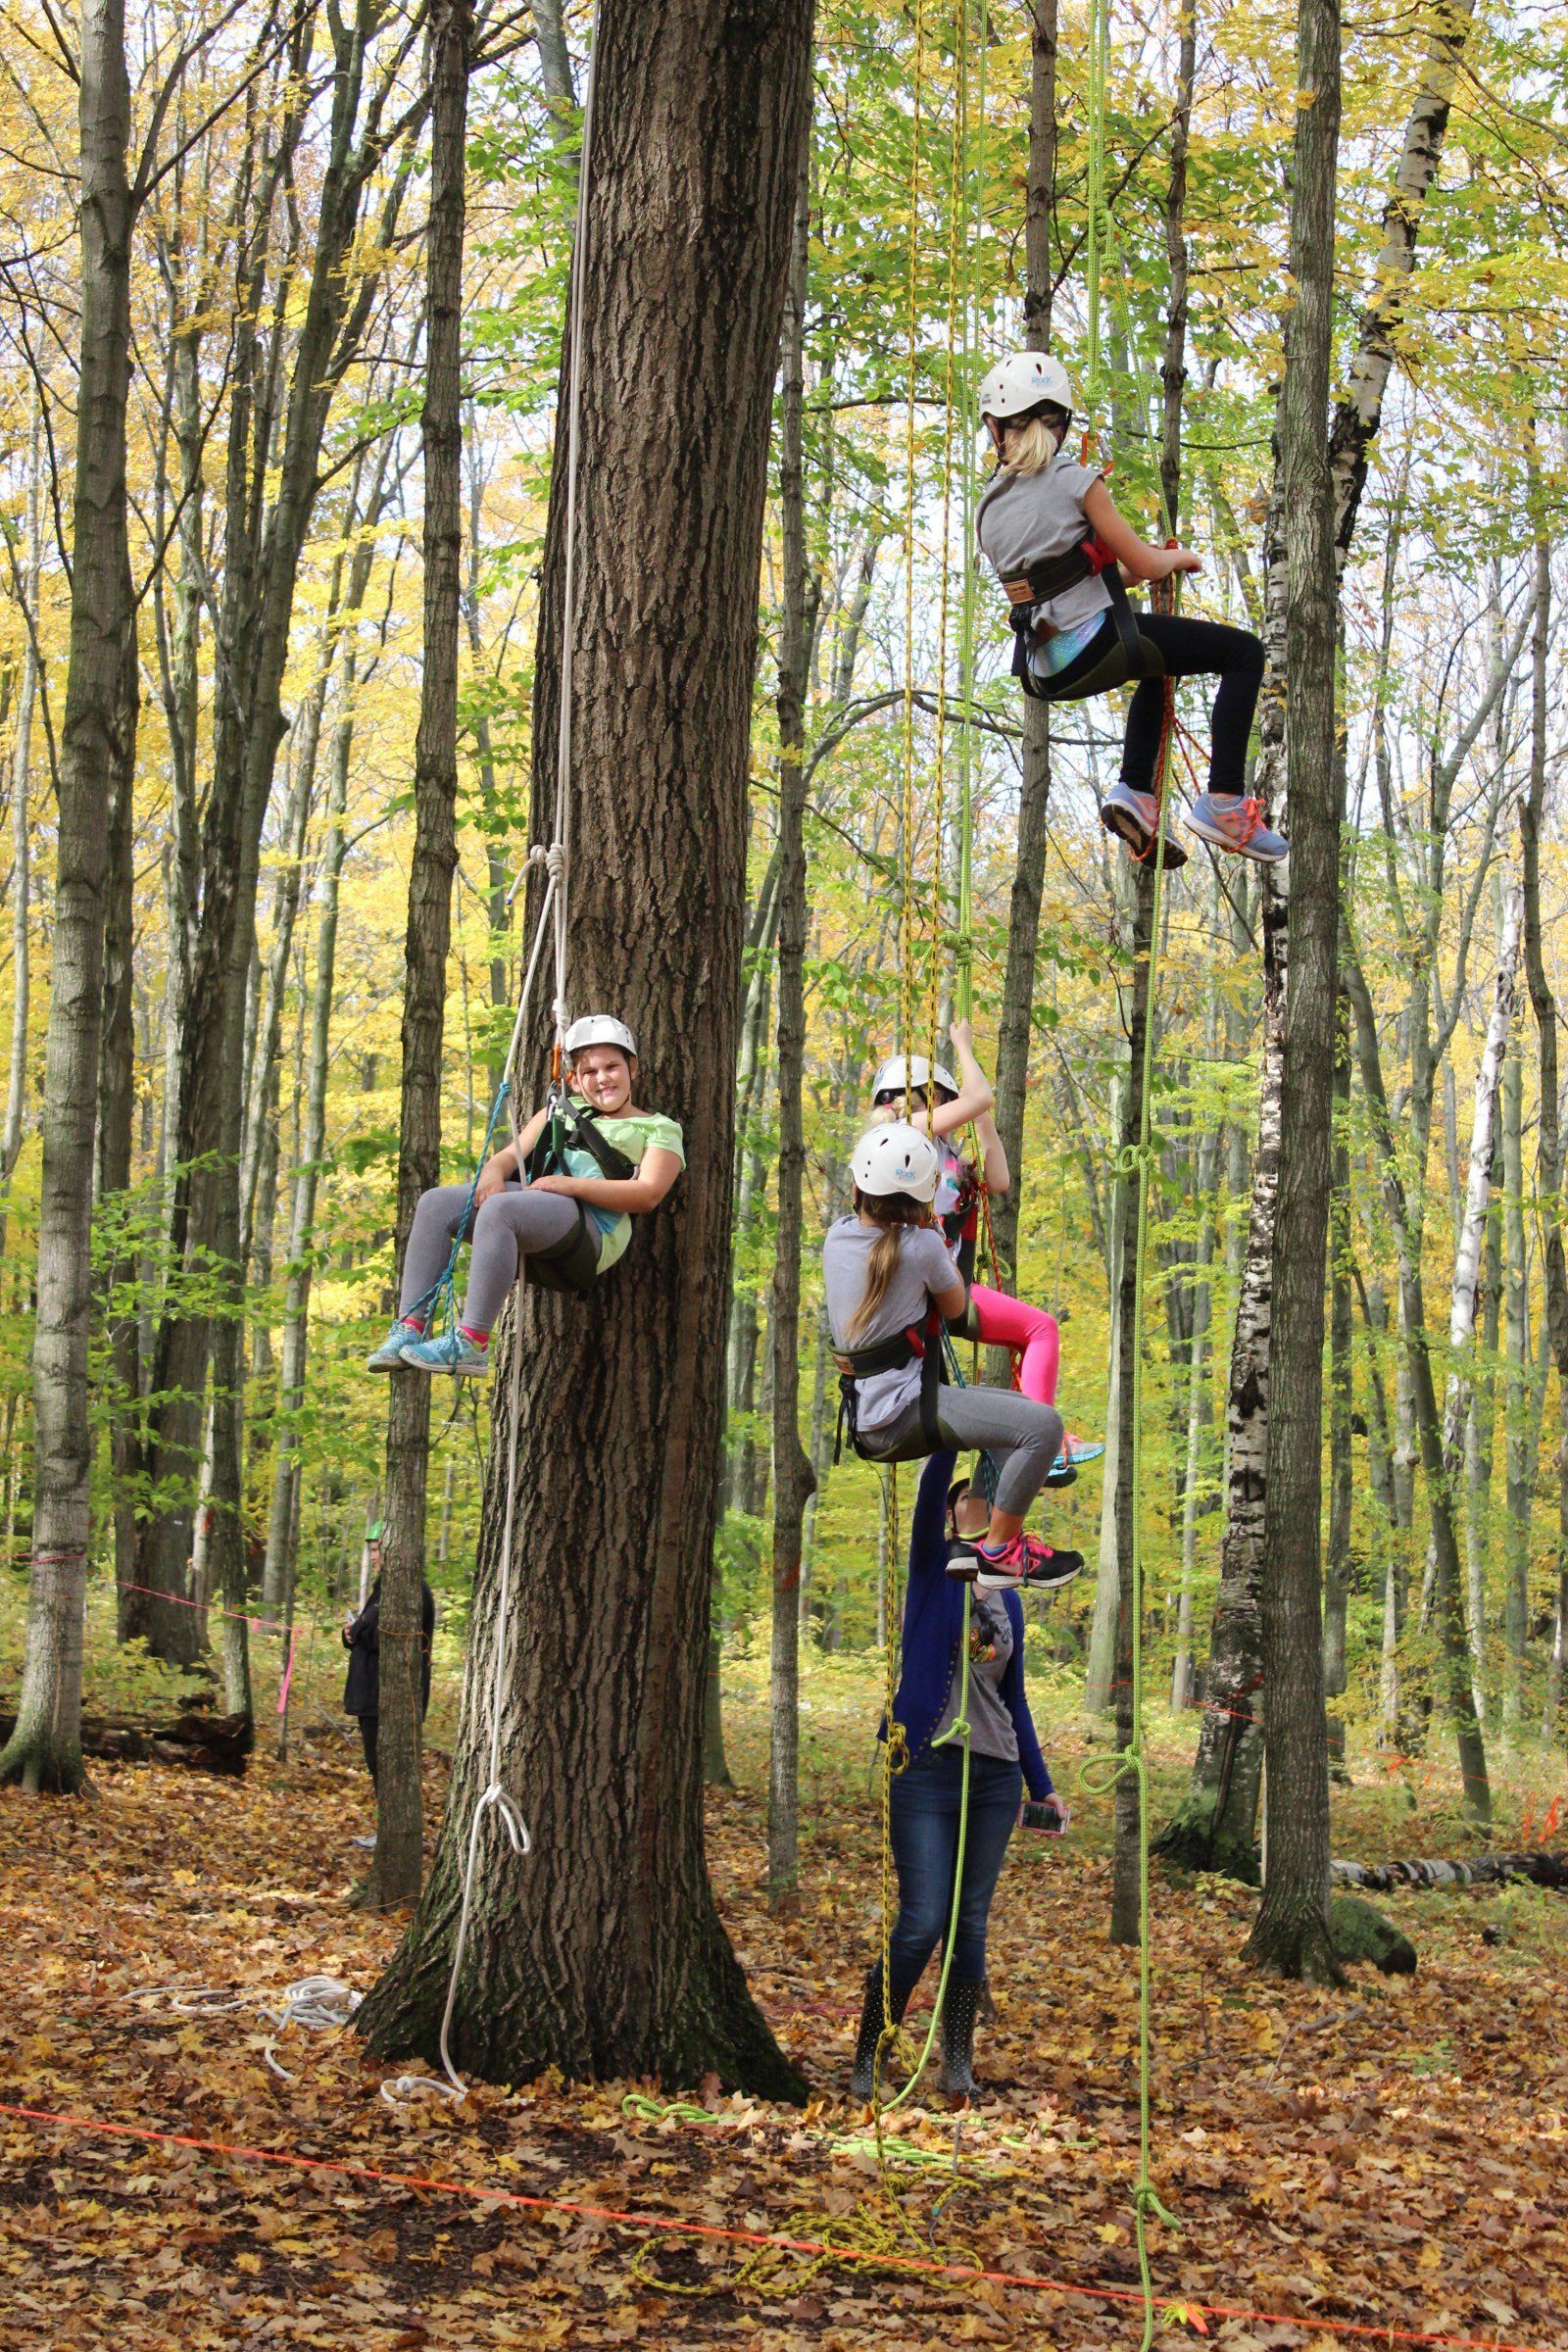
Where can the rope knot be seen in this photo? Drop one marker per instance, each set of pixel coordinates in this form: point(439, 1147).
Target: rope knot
point(556, 861)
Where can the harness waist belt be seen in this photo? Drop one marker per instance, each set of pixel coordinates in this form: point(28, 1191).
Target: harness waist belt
point(1086, 561)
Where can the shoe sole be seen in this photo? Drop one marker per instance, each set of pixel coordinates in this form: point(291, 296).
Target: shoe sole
point(1027, 1584)
point(1126, 827)
point(963, 1569)
point(1222, 840)
point(383, 1363)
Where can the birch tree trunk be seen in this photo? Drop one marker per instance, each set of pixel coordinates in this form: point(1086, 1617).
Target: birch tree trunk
point(398, 1864)
point(605, 1954)
point(792, 1475)
point(1459, 1402)
point(97, 760)
point(1519, 1435)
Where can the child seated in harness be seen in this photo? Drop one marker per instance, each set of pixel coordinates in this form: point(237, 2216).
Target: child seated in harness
point(566, 1224)
point(891, 1289)
point(1050, 531)
point(941, 1105)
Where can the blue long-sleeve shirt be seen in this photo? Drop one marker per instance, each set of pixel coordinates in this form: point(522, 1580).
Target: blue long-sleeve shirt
point(933, 1628)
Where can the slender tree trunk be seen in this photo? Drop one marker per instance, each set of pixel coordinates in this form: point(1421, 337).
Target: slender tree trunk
point(605, 1954)
point(1464, 1380)
point(1015, 1025)
point(1550, 1153)
point(399, 1861)
point(1519, 1432)
point(96, 764)
point(1341, 1566)
point(21, 839)
point(1125, 1886)
point(792, 1475)
point(1448, 1585)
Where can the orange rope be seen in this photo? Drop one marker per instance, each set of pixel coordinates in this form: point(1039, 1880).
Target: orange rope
point(964, 2273)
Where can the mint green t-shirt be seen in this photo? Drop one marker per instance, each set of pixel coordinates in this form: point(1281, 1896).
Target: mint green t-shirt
point(642, 1131)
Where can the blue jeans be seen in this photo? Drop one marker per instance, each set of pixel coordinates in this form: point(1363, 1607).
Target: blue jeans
point(925, 1845)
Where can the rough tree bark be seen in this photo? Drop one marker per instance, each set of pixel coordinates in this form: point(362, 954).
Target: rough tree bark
point(97, 760)
point(1291, 1934)
point(1125, 1879)
point(399, 1861)
point(1339, 1565)
point(605, 1954)
point(794, 1477)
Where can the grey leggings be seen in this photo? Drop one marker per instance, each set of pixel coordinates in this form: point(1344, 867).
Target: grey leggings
point(509, 1225)
point(1023, 1438)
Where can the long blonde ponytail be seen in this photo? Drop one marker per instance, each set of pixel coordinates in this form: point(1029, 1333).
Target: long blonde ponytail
point(893, 1212)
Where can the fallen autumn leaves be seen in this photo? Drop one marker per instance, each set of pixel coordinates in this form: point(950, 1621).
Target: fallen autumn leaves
point(1395, 2159)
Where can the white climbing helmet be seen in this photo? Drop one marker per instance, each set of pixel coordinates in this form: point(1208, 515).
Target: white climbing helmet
point(896, 1157)
point(891, 1078)
point(597, 1029)
point(1021, 382)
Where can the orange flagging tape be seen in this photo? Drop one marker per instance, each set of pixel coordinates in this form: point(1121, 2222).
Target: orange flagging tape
point(480, 2195)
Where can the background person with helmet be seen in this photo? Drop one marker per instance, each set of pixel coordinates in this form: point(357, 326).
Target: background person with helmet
point(516, 1215)
point(890, 1286)
point(1040, 508)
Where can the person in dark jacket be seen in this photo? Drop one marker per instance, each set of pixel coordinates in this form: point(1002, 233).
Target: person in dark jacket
point(1005, 1759)
point(362, 1639)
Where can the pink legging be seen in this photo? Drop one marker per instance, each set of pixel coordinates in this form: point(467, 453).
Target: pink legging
point(1006, 1322)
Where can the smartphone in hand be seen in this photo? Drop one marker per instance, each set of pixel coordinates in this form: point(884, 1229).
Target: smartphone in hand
point(1049, 1819)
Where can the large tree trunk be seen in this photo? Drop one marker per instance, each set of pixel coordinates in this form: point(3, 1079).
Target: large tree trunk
point(1520, 1432)
point(399, 1863)
point(792, 1475)
point(1291, 1934)
point(21, 837)
point(607, 1957)
point(1341, 1564)
point(97, 761)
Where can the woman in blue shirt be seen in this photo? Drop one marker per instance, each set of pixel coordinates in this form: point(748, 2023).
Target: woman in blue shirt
point(1005, 1759)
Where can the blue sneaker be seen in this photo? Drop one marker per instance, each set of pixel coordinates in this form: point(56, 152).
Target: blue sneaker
point(393, 1347)
point(1133, 816)
point(1232, 821)
point(451, 1354)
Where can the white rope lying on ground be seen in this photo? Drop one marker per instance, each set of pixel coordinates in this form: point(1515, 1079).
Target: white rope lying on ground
point(321, 2004)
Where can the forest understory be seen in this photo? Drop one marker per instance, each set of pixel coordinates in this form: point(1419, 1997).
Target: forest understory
point(1389, 2159)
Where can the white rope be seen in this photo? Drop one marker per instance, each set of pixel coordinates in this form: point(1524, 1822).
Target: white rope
point(321, 2004)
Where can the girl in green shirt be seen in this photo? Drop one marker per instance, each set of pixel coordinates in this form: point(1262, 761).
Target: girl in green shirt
point(512, 1217)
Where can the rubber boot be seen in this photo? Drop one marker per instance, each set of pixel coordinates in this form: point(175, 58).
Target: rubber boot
point(960, 2006)
point(861, 2081)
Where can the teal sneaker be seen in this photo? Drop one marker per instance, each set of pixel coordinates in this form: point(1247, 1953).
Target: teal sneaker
point(390, 1353)
point(450, 1353)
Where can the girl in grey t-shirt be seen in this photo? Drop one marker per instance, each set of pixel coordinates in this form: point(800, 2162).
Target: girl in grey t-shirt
point(887, 1274)
point(1042, 505)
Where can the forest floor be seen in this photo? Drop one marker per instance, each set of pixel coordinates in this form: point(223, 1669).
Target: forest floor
point(1394, 2157)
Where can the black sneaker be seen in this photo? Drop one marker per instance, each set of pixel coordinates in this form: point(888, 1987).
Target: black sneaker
point(1027, 1561)
point(963, 1560)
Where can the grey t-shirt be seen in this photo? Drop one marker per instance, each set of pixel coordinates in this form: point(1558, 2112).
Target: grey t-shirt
point(1025, 519)
point(991, 1732)
point(923, 1267)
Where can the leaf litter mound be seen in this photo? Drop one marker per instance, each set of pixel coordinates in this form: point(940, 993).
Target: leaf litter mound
point(1397, 2155)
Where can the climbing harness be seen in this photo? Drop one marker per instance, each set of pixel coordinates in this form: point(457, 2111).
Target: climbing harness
point(921, 1343)
point(1131, 657)
point(572, 1265)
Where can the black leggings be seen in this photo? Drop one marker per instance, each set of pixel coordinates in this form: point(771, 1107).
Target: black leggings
point(1185, 648)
